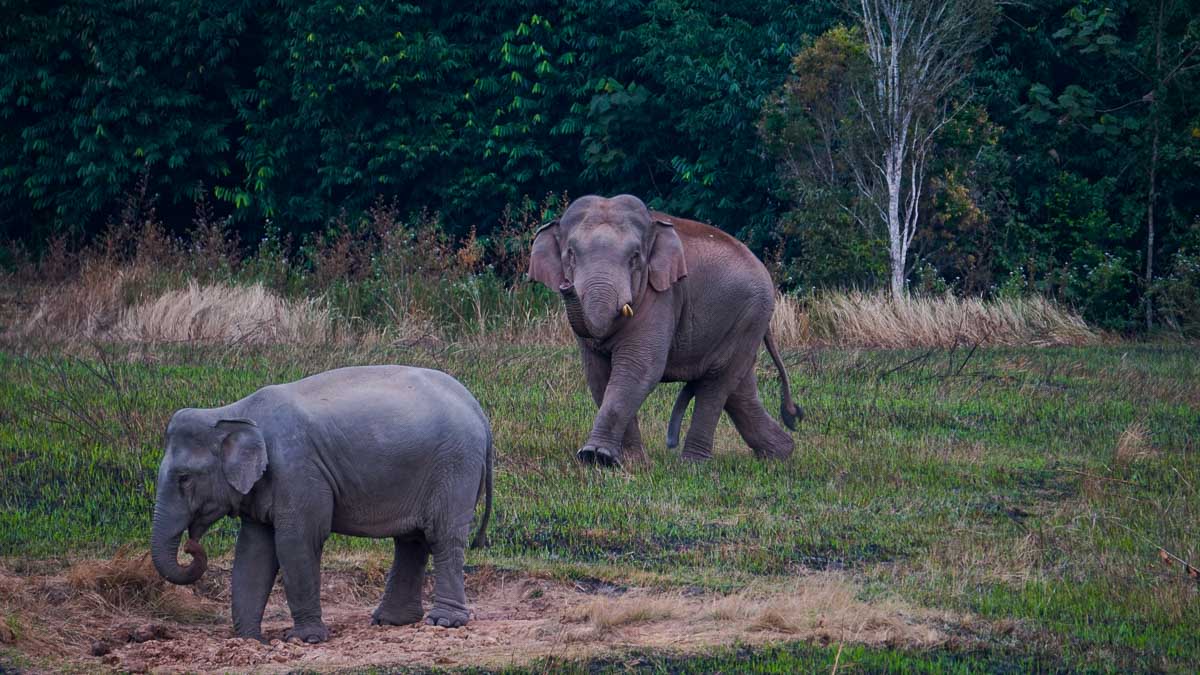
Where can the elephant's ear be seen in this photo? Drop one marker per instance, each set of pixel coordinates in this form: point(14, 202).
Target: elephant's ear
point(243, 453)
point(667, 263)
point(545, 260)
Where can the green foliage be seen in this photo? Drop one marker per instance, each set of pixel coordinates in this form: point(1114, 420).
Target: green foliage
point(1178, 292)
point(295, 113)
point(811, 125)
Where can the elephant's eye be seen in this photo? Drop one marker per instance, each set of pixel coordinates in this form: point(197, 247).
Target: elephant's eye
point(635, 260)
point(184, 481)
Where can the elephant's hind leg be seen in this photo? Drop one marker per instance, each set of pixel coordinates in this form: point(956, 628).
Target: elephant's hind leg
point(710, 398)
point(449, 598)
point(401, 604)
point(756, 426)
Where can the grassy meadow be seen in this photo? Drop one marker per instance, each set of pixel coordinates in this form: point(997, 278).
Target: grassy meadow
point(1025, 491)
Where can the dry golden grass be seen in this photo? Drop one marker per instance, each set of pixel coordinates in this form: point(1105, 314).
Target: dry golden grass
point(97, 306)
point(128, 583)
point(790, 323)
point(607, 613)
point(967, 560)
point(225, 314)
point(823, 607)
point(874, 320)
point(1133, 444)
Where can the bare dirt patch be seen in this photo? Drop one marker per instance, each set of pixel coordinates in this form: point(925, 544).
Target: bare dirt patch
point(110, 615)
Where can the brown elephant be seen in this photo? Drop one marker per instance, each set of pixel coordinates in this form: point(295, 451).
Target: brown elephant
point(653, 298)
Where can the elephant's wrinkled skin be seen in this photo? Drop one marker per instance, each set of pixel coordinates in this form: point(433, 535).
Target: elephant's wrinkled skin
point(372, 451)
point(654, 298)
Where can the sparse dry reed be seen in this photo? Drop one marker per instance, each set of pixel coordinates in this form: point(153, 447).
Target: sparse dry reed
point(88, 305)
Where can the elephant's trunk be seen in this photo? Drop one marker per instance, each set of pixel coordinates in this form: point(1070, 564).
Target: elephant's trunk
point(164, 545)
point(575, 315)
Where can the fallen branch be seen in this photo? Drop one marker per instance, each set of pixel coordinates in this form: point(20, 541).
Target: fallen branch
point(1167, 557)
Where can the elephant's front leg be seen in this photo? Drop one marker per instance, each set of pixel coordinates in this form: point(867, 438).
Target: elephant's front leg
point(598, 369)
point(635, 370)
point(254, 568)
point(298, 544)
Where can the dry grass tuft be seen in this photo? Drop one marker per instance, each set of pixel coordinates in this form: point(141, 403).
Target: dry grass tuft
point(124, 581)
point(1134, 444)
point(874, 320)
point(228, 315)
point(608, 613)
point(825, 607)
point(128, 584)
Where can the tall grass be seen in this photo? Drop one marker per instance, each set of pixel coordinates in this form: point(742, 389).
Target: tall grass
point(875, 320)
point(225, 314)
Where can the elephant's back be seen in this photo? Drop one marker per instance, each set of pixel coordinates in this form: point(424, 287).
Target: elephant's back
point(720, 265)
point(710, 248)
point(422, 401)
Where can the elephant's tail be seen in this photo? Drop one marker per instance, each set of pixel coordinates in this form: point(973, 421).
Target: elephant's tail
point(485, 489)
point(681, 404)
point(788, 410)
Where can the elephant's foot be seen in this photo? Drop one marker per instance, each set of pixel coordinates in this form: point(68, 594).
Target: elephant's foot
point(255, 635)
point(633, 453)
point(778, 445)
point(312, 633)
point(781, 451)
point(594, 454)
point(447, 617)
point(397, 616)
point(695, 454)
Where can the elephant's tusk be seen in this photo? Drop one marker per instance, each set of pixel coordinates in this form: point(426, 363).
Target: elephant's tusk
point(627, 311)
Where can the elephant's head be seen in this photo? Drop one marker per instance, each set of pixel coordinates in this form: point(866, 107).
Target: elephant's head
point(601, 254)
point(210, 464)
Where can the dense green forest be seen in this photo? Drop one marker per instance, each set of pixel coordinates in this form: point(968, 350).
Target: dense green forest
point(1076, 129)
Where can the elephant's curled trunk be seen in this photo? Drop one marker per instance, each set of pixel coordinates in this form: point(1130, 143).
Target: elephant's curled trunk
point(164, 546)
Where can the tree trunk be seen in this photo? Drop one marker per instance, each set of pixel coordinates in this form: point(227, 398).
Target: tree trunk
point(1150, 228)
point(1151, 189)
point(895, 234)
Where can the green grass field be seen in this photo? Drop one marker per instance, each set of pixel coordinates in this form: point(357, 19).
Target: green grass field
point(1029, 488)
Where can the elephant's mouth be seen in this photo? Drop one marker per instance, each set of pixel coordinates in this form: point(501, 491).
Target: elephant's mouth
point(593, 324)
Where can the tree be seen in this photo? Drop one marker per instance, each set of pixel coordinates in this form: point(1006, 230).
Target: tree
point(856, 125)
point(1159, 56)
point(811, 126)
point(918, 52)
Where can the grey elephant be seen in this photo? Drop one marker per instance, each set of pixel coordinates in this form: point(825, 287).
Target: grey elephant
point(652, 298)
point(371, 451)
